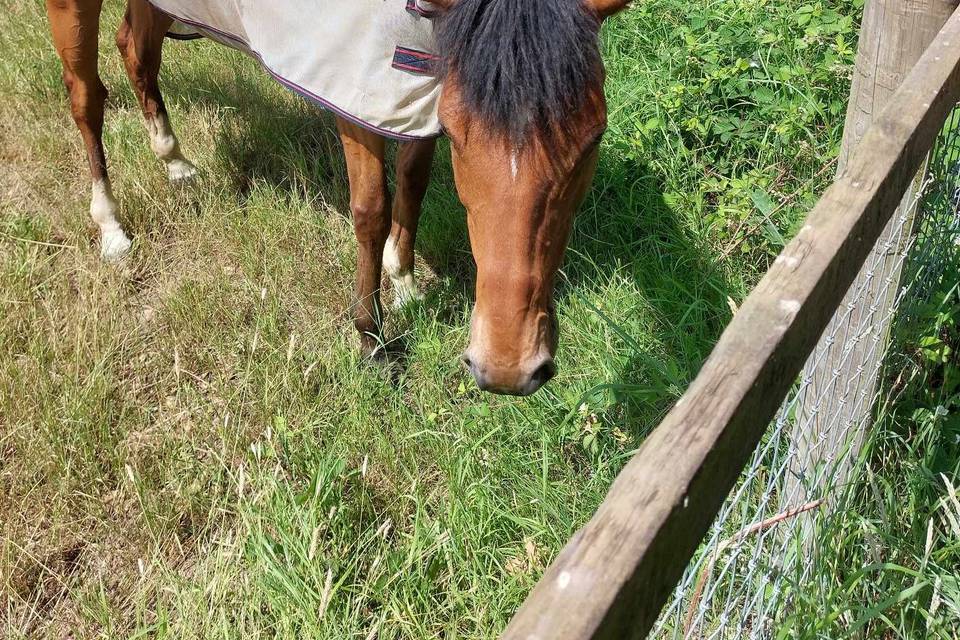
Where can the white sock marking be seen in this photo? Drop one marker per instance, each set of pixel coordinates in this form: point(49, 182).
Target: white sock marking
point(404, 282)
point(165, 146)
point(180, 170)
point(114, 243)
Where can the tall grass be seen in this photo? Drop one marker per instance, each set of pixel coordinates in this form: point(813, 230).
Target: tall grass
point(191, 446)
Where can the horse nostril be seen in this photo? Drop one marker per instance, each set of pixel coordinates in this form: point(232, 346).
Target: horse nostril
point(541, 376)
point(546, 372)
point(476, 371)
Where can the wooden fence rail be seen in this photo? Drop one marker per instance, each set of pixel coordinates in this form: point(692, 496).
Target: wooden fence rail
point(613, 577)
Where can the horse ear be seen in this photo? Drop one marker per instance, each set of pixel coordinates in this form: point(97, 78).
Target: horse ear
point(606, 8)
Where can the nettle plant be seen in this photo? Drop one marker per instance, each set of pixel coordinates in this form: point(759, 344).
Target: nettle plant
point(754, 102)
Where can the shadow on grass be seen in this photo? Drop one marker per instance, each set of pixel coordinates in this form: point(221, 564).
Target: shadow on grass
point(283, 143)
point(625, 230)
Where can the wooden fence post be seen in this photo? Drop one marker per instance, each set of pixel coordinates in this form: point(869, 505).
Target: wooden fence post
point(834, 415)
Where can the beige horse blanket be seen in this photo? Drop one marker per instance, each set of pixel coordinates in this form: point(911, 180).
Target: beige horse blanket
point(369, 61)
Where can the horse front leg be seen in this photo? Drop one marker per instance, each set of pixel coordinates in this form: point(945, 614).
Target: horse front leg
point(74, 25)
point(140, 41)
point(370, 205)
point(414, 160)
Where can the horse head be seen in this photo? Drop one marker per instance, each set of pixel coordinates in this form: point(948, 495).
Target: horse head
point(523, 106)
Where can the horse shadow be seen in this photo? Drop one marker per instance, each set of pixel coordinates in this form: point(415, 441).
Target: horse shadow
point(624, 229)
point(284, 143)
point(627, 230)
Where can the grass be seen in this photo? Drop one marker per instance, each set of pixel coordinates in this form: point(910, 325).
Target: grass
point(190, 444)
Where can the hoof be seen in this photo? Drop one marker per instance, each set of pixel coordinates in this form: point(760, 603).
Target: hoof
point(405, 290)
point(114, 246)
point(404, 298)
point(385, 363)
point(181, 173)
point(377, 356)
point(372, 349)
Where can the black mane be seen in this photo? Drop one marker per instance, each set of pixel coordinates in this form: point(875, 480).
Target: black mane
point(523, 65)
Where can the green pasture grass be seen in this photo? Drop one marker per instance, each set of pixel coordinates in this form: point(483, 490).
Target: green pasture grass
point(190, 444)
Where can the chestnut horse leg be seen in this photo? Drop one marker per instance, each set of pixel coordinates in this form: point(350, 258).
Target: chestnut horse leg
point(414, 160)
point(74, 25)
point(140, 40)
point(370, 204)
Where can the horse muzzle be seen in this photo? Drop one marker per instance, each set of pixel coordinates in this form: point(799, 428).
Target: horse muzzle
point(519, 381)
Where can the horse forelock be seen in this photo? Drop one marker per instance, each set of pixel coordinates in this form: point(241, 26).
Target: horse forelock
point(523, 67)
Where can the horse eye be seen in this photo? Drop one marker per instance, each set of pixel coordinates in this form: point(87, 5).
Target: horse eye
point(590, 148)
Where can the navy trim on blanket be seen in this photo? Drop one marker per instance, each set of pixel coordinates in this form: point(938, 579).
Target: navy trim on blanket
point(407, 59)
point(183, 36)
point(414, 7)
point(232, 40)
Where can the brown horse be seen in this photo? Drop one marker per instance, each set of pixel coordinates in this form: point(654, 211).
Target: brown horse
point(522, 104)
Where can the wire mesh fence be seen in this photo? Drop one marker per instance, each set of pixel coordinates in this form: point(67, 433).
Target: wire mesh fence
point(762, 546)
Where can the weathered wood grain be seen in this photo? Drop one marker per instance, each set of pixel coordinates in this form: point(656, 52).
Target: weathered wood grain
point(613, 577)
